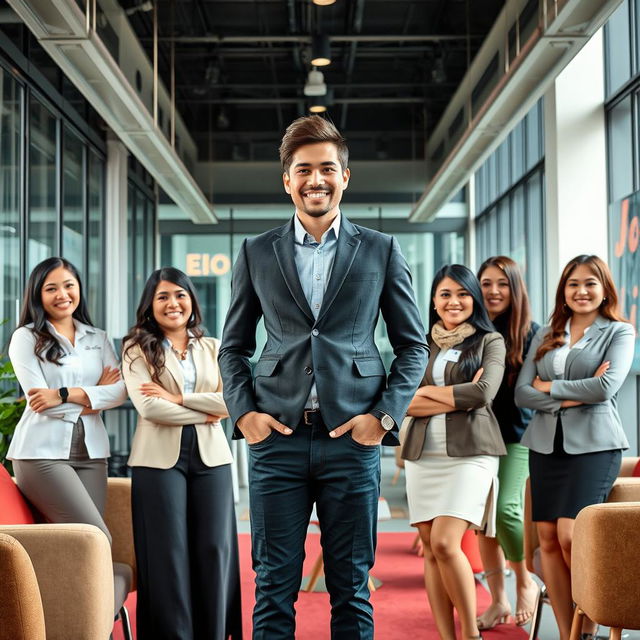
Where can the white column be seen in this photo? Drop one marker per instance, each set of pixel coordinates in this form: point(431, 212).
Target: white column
point(117, 245)
point(575, 162)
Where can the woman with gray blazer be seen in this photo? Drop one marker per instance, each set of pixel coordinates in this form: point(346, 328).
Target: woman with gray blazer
point(571, 378)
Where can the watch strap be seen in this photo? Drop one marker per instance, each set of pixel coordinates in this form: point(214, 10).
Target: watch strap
point(63, 392)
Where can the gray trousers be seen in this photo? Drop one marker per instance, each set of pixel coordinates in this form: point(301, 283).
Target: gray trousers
point(65, 491)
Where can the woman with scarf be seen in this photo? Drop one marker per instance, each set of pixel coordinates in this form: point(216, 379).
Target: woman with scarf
point(452, 443)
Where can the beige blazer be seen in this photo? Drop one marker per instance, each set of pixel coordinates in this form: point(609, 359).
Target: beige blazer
point(473, 428)
point(156, 442)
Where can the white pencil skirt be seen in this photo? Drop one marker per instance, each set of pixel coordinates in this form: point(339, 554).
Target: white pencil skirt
point(440, 485)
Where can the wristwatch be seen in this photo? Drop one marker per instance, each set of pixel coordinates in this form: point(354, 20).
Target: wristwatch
point(63, 392)
point(386, 420)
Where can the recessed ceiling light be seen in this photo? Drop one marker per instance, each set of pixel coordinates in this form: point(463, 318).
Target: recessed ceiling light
point(323, 3)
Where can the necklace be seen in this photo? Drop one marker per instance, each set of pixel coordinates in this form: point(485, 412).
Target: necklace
point(181, 354)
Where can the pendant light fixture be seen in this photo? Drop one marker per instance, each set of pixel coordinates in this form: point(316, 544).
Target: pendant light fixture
point(315, 84)
point(320, 51)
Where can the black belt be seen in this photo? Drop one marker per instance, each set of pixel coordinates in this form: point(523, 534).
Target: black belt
point(311, 416)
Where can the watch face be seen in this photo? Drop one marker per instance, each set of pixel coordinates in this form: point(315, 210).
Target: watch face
point(387, 422)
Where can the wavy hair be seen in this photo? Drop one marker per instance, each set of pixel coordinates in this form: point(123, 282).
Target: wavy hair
point(519, 312)
point(561, 312)
point(146, 333)
point(32, 311)
point(469, 361)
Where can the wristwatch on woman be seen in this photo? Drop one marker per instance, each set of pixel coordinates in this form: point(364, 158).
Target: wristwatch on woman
point(63, 392)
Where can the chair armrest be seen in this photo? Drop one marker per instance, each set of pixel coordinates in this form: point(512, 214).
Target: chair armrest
point(20, 602)
point(627, 466)
point(625, 490)
point(117, 516)
point(73, 565)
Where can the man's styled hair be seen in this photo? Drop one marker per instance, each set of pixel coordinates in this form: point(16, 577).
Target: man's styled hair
point(311, 130)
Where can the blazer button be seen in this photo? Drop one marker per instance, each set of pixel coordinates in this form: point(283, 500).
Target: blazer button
point(315, 333)
point(308, 370)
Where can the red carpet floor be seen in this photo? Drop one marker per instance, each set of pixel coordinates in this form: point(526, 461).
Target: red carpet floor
point(400, 605)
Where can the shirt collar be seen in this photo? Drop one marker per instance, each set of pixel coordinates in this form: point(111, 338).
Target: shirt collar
point(567, 328)
point(81, 329)
point(193, 343)
point(301, 233)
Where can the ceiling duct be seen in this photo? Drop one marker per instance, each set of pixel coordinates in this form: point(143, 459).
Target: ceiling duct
point(69, 37)
point(528, 46)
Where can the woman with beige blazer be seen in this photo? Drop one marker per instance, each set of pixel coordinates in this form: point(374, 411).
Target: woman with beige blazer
point(451, 444)
point(182, 499)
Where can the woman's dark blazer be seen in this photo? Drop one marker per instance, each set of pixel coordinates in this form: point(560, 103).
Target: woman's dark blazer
point(472, 429)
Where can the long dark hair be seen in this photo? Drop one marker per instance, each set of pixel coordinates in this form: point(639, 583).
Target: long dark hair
point(561, 312)
point(146, 333)
point(469, 361)
point(33, 312)
point(518, 314)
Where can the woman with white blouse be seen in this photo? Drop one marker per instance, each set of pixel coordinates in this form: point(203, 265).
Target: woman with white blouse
point(69, 372)
point(183, 513)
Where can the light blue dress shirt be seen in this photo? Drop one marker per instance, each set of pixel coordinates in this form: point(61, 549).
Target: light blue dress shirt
point(314, 261)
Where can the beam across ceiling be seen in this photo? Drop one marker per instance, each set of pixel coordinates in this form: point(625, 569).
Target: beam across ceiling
point(486, 105)
point(70, 38)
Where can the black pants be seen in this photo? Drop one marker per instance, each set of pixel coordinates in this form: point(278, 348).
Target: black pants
point(186, 549)
point(287, 474)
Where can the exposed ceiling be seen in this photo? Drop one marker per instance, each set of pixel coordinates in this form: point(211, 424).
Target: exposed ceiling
point(241, 65)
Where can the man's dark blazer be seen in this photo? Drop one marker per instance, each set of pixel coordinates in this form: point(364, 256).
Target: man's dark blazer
point(369, 275)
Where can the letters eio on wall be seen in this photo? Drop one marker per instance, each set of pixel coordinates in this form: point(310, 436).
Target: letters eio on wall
point(624, 236)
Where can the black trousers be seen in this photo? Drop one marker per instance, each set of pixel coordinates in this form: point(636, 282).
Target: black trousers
point(186, 549)
point(287, 474)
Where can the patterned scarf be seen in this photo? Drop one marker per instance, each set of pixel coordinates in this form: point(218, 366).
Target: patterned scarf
point(446, 339)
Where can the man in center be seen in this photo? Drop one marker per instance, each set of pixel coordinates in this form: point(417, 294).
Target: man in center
point(318, 403)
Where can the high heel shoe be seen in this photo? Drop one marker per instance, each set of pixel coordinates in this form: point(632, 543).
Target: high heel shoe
point(495, 614)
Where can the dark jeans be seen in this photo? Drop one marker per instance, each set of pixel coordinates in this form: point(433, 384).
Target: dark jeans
point(287, 474)
point(186, 549)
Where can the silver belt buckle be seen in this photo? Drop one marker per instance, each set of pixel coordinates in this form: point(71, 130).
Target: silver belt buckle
point(308, 413)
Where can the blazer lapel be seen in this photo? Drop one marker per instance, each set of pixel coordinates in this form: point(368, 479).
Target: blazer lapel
point(348, 245)
point(434, 350)
point(598, 325)
point(173, 367)
point(200, 361)
point(285, 256)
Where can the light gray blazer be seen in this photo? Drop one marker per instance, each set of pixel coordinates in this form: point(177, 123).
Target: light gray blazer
point(594, 425)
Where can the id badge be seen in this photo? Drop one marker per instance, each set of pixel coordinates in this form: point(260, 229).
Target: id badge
point(453, 355)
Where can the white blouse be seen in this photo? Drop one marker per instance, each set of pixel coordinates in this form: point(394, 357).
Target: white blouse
point(561, 354)
point(47, 435)
point(188, 366)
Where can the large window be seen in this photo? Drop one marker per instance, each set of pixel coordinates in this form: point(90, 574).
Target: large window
point(10, 204)
point(510, 204)
point(48, 153)
point(42, 229)
point(141, 227)
point(73, 181)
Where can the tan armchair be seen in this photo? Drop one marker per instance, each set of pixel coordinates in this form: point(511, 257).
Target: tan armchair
point(72, 563)
point(20, 605)
point(76, 569)
point(605, 557)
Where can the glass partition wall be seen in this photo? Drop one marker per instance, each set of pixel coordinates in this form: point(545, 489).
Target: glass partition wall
point(51, 196)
